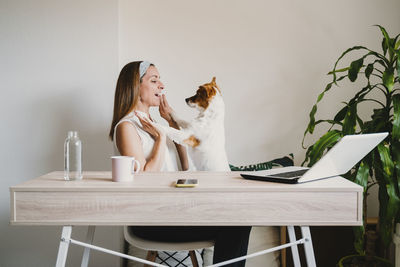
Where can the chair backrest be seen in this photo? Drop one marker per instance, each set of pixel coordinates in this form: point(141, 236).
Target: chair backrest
point(146, 244)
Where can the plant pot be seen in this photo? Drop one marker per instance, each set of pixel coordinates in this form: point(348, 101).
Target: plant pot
point(361, 261)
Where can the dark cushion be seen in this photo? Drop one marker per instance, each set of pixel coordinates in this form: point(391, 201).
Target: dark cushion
point(276, 163)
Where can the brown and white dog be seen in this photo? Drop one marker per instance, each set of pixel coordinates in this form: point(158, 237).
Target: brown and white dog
point(205, 134)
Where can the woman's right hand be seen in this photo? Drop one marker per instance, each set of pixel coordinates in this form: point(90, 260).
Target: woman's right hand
point(151, 128)
point(165, 109)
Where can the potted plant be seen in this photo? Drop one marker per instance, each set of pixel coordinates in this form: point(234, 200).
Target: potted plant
point(380, 94)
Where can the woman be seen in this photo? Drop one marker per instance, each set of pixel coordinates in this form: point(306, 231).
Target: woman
point(139, 88)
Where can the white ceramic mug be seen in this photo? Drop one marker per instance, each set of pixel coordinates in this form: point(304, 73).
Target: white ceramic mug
point(123, 168)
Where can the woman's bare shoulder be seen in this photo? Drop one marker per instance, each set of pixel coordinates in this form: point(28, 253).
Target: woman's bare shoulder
point(128, 140)
point(126, 128)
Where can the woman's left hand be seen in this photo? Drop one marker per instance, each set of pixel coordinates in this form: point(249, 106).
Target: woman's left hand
point(165, 109)
point(150, 127)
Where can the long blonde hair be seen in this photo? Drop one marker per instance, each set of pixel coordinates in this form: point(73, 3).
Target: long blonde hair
point(126, 93)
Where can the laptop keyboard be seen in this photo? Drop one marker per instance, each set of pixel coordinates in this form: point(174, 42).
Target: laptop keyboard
point(289, 174)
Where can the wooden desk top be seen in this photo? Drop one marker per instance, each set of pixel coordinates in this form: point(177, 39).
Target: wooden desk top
point(221, 198)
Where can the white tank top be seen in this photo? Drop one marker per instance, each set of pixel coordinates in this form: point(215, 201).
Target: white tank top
point(171, 162)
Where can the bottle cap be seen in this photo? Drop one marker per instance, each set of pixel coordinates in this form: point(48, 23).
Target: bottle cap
point(72, 133)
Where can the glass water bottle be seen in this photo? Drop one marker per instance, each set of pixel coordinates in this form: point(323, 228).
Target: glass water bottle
point(72, 157)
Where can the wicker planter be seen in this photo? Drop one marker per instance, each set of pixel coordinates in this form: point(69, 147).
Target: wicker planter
point(362, 261)
point(396, 241)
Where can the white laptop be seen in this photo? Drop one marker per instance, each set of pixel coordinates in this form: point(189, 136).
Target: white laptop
point(339, 160)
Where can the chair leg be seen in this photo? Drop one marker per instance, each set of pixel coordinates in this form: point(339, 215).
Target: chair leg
point(193, 257)
point(151, 256)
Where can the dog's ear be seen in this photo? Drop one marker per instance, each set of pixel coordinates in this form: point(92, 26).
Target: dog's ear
point(214, 84)
point(210, 91)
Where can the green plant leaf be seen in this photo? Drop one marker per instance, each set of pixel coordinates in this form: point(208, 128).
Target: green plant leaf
point(371, 100)
point(385, 34)
point(361, 94)
point(384, 46)
point(388, 79)
point(332, 122)
point(350, 120)
point(359, 235)
point(355, 67)
point(380, 121)
point(396, 42)
point(384, 224)
point(380, 61)
point(384, 61)
point(383, 164)
point(396, 117)
point(311, 124)
point(387, 41)
point(321, 95)
point(379, 114)
point(358, 47)
point(386, 218)
point(307, 157)
point(362, 175)
point(396, 162)
point(393, 42)
point(361, 178)
point(398, 62)
point(325, 142)
point(341, 70)
point(341, 114)
point(368, 70)
point(360, 122)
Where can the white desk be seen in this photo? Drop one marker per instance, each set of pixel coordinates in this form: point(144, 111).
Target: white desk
point(219, 199)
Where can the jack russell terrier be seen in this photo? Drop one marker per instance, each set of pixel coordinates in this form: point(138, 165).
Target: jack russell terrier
point(204, 136)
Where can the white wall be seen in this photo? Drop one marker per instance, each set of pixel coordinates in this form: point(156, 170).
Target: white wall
point(58, 67)
point(270, 59)
point(59, 61)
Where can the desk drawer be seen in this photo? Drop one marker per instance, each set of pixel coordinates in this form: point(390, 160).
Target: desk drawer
point(186, 208)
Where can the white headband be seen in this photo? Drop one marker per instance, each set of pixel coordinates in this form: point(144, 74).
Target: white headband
point(144, 65)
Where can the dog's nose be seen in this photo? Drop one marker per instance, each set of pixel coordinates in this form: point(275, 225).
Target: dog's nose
point(187, 100)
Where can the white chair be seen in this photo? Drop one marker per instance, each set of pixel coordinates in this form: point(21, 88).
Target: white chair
point(153, 246)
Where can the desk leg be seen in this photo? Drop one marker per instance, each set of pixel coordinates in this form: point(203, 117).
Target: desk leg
point(294, 249)
point(308, 247)
point(89, 240)
point(63, 248)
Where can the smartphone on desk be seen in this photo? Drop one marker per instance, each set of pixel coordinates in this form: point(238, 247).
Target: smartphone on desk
point(186, 183)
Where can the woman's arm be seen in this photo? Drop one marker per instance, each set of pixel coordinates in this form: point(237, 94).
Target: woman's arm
point(129, 144)
point(165, 112)
point(182, 152)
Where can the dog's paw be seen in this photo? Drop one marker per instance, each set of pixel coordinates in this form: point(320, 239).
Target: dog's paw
point(160, 127)
point(174, 116)
point(192, 141)
point(183, 124)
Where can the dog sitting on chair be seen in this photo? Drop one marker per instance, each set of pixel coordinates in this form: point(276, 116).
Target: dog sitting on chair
point(204, 135)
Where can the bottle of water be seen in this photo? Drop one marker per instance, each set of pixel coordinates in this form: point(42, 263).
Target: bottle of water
point(72, 157)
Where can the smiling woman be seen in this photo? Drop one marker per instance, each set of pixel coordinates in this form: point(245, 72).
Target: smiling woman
point(139, 88)
point(134, 134)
